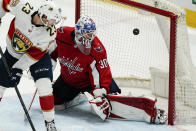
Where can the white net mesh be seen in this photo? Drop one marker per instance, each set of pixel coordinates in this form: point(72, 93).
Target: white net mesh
point(185, 85)
point(130, 56)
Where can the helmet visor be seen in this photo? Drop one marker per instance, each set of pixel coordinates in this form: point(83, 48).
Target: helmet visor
point(85, 39)
point(89, 36)
point(84, 42)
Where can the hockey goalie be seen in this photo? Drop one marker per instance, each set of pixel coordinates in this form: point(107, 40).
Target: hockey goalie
point(85, 69)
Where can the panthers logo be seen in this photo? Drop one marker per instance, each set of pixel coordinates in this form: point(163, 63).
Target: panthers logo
point(20, 42)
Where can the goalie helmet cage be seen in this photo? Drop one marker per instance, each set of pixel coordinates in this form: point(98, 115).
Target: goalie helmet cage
point(107, 16)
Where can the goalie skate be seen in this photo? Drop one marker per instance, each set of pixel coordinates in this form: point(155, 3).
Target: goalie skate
point(50, 126)
point(161, 117)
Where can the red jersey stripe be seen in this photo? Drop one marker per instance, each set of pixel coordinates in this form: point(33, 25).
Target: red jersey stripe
point(11, 29)
point(5, 4)
point(36, 53)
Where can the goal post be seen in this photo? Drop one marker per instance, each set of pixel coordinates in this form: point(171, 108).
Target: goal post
point(161, 42)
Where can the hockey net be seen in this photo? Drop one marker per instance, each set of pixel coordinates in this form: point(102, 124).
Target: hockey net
point(160, 48)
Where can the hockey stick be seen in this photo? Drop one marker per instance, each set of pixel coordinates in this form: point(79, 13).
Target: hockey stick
point(29, 108)
point(32, 100)
point(17, 91)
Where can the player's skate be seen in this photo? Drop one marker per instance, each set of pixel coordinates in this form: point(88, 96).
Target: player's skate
point(161, 117)
point(50, 126)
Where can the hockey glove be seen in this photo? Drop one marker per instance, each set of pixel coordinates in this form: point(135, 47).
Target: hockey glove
point(99, 105)
point(99, 92)
point(16, 74)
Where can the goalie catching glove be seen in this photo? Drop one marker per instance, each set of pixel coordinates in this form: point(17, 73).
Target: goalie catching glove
point(99, 103)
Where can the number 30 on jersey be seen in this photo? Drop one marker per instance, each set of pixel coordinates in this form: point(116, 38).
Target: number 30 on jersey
point(103, 63)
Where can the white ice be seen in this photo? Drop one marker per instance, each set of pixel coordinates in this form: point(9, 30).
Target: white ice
point(78, 118)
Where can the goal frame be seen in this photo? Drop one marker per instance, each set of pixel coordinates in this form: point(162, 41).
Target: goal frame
point(172, 52)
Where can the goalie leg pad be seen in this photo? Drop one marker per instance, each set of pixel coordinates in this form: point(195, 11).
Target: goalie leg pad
point(60, 104)
point(132, 108)
point(76, 101)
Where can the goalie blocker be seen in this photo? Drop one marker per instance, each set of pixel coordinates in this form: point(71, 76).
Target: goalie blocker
point(127, 108)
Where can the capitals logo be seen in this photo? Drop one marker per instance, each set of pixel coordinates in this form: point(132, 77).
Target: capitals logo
point(20, 42)
point(70, 64)
point(99, 48)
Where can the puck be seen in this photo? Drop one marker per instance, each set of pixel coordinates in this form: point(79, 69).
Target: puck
point(136, 31)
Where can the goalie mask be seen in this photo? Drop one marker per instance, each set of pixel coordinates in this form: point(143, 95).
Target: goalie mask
point(85, 31)
point(49, 13)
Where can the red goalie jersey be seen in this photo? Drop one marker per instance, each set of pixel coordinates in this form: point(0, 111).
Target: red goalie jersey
point(77, 69)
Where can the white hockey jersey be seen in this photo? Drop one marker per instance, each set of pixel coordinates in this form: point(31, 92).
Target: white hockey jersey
point(25, 41)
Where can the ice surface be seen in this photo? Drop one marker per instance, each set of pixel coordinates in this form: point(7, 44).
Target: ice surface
point(78, 118)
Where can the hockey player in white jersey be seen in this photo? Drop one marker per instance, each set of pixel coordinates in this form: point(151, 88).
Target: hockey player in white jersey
point(30, 33)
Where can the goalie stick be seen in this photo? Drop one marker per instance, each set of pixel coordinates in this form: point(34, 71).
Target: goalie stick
point(17, 91)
